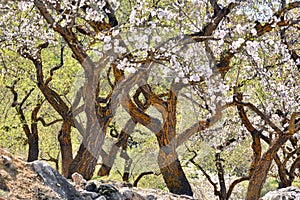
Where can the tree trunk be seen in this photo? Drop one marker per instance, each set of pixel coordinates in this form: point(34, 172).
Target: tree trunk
point(283, 179)
point(104, 170)
point(84, 163)
point(172, 171)
point(168, 161)
point(64, 138)
point(220, 171)
point(33, 151)
point(109, 159)
point(175, 179)
point(33, 141)
point(259, 176)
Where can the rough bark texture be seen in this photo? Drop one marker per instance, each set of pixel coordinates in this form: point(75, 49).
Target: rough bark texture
point(64, 138)
point(261, 171)
point(84, 163)
point(33, 151)
point(31, 131)
point(168, 161)
point(175, 179)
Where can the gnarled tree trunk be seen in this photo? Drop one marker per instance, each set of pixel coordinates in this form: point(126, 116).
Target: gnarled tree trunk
point(259, 176)
point(84, 163)
point(33, 151)
point(168, 161)
point(64, 138)
point(173, 173)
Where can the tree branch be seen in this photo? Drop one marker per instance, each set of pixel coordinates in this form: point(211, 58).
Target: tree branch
point(234, 183)
point(216, 191)
point(216, 7)
point(201, 125)
point(262, 115)
point(141, 175)
point(211, 26)
point(110, 14)
point(57, 67)
point(40, 119)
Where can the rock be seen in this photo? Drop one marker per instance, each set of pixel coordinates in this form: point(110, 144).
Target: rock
point(101, 198)
point(109, 192)
point(289, 193)
point(130, 195)
point(55, 181)
point(3, 186)
point(85, 194)
point(151, 197)
point(78, 180)
point(7, 161)
point(91, 186)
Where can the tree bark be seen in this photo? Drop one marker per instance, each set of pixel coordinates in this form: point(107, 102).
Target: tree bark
point(168, 161)
point(64, 138)
point(32, 131)
point(33, 137)
point(175, 178)
point(220, 172)
point(33, 151)
point(109, 159)
point(259, 176)
point(84, 163)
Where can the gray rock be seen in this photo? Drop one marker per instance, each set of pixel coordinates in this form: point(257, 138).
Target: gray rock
point(7, 161)
point(101, 198)
point(3, 186)
point(151, 197)
point(55, 181)
point(91, 186)
point(289, 193)
point(85, 194)
point(88, 198)
point(130, 195)
point(109, 192)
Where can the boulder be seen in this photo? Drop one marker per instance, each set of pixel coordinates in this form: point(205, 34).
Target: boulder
point(289, 193)
point(55, 181)
point(86, 194)
point(131, 195)
point(109, 192)
point(104, 191)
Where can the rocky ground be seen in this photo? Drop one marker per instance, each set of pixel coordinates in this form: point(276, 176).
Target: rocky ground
point(18, 181)
point(37, 180)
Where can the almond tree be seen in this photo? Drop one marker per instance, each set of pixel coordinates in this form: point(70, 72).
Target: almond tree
point(213, 53)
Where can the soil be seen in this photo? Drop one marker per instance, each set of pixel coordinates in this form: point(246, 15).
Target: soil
point(18, 181)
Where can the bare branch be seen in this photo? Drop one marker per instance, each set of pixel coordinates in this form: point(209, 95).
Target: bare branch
point(40, 119)
point(52, 159)
point(26, 97)
point(234, 183)
point(262, 115)
point(141, 175)
point(216, 191)
point(57, 67)
point(216, 7)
